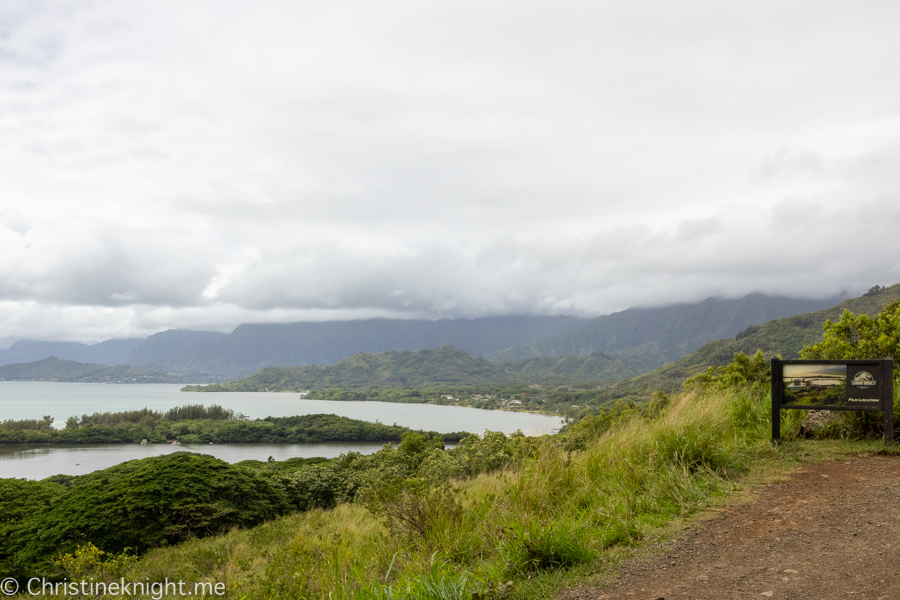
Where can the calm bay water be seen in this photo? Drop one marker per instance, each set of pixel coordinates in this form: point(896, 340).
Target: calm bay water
point(33, 400)
point(40, 461)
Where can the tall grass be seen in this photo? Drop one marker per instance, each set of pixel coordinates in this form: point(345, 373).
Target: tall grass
point(519, 532)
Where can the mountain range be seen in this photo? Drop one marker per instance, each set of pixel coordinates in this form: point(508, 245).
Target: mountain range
point(444, 365)
point(784, 337)
point(449, 366)
point(640, 339)
point(648, 338)
point(251, 347)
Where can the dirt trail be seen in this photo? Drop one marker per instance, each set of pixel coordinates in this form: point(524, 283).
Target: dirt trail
point(830, 531)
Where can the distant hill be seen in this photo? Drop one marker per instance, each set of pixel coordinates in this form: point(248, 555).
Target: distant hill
point(110, 352)
point(785, 336)
point(55, 369)
point(647, 338)
point(251, 347)
point(445, 365)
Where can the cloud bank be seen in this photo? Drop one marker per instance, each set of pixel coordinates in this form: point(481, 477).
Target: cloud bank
point(204, 164)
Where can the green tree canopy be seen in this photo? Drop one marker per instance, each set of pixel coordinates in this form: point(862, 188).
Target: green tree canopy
point(139, 504)
point(860, 336)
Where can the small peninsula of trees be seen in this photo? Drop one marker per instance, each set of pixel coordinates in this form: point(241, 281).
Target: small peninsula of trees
point(196, 424)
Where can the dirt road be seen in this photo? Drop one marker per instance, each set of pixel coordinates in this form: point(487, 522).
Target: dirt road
point(831, 531)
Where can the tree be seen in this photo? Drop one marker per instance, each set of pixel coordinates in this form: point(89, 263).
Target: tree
point(860, 336)
point(142, 504)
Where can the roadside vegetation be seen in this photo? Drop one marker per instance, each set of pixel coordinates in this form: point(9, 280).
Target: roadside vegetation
point(496, 517)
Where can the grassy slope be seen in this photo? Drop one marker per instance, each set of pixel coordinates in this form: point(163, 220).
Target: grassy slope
point(782, 336)
point(580, 503)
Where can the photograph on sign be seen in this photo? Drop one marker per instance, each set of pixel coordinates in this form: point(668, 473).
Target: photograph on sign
point(830, 385)
point(815, 385)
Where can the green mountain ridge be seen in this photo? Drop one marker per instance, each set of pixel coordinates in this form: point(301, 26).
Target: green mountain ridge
point(784, 337)
point(445, 365)
point(592, 367)
point(648, 338)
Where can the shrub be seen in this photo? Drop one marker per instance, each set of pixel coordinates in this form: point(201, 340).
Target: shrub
point(143, 504)
point(88, 562)
point(413, 506)
point(530, 546)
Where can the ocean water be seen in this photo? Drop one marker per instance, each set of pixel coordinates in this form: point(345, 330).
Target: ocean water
point(33, 400)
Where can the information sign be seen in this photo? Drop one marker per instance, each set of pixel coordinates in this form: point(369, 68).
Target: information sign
point(833, 385)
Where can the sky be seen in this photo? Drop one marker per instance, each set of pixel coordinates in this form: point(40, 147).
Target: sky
point(200, 164)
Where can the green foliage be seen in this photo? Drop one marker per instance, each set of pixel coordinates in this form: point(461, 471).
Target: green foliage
point(164, 501)
point(424, 370)
point(571, 368)
point(437, 584)
point(88, 562)
point(532, 546)
point(397, 369)
point(741, 372)
point(143, 504)
point(496, 517)
point(857, 337)
point(325, 484)
point(195, 424)
point(20, 500)
point(860, 336)
point(506, 517)
point(784, 337)
point(581, 433)
point(413, 506)
point(45, 424)
point(851, 337)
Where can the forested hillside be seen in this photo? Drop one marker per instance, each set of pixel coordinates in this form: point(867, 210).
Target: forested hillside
point(426, 368)
point(785, 337)
point(647, 338)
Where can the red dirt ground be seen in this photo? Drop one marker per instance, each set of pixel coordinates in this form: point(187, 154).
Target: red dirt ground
point(827, 532)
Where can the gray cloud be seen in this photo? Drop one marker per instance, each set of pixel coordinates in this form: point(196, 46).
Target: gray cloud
point(205, 164)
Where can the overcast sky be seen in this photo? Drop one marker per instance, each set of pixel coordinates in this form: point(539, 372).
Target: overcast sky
point(199, 164)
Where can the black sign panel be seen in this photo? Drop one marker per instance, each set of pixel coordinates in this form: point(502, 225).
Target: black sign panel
point(866, 385)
